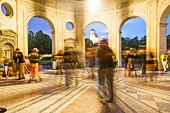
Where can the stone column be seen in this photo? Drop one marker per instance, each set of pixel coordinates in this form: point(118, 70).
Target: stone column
point(54, 42)
point(114, 37)
point(163, 38)
point(80, 39)
point(152, 37)
point(59, 41)
point(21, 29)
point(25, 41)
point(151, 28)
point(80, 34)
point(162, 43)
point(119, 49)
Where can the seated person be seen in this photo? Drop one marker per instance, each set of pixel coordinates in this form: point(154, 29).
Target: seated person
point(2, 68)
point(10, 69)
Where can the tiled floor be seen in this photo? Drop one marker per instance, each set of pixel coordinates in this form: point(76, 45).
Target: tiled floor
point(133, 94)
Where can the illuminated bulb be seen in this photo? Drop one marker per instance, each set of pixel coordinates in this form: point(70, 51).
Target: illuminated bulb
point(93, 6)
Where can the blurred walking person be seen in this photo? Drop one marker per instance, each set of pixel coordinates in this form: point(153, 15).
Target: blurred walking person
point(34, 58)
point(54, 61)
point(104, 54)
point(131, 63)
point(164, 60)
point(59, 61)
point(125, 56)
point(15, 64)
point(27, 65)
point(69, 64)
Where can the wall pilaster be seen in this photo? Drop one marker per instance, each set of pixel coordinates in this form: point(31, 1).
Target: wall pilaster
point(54, 42)
point(151, 28)
point(114, 37)
point(25, 40)
point(59, 38)
point(21, 31)
point(162, 42)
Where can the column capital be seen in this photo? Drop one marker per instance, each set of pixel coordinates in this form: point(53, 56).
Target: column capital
point(53, 32)
point(112, 15)
point(26, 26)
point(163, 24)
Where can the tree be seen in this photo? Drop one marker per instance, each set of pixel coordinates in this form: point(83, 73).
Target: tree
point(143, 41)
point(41, 41)
point(168, 42)
point(134, 42)
point(125, 43)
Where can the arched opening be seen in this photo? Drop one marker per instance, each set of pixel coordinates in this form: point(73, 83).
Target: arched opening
point(6, 9)
point(93, 34)
point(39, 35)
point(168, 33)
point(133, 38)
point(163, 44)
point(7, 51)
point(164, 30)
point(69, 26)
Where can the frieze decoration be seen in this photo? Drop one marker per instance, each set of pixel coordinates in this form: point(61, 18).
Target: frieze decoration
point(60, 7)
point(43, 2)
point(69, 34)
point(162, 4)
point(103, 16)
point(70, 42)
point(68, 8)
point(30, 9)
point(140, 9)
point(128, 3)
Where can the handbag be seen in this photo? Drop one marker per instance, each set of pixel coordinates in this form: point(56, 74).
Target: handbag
point(115, 61)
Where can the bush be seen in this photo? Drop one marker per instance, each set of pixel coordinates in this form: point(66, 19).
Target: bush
point(46, 58)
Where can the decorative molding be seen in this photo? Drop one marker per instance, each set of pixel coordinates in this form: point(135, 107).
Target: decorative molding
point(46, 3)
point(70, 42)
point(163, 24)
point(127, 3)
point(161, 3)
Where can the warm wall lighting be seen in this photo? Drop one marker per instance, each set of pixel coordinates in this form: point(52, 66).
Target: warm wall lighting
point(93, 6)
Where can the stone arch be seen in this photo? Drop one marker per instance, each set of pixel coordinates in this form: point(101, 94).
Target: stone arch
point(164, 12)
point(130, 16)
point(87, 23)
point(162, 22)
point(120, 24)
point(41, 15)
point(49, 19)
point(7, 50)
point(127, 17)
point(162, 30)
point(9, 42)
point(95, 20)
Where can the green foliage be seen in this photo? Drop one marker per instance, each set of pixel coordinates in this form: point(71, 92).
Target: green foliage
point(134, 42)
point(41, 41)
point(168, 42)
point(46, 58)
point(44, 62)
